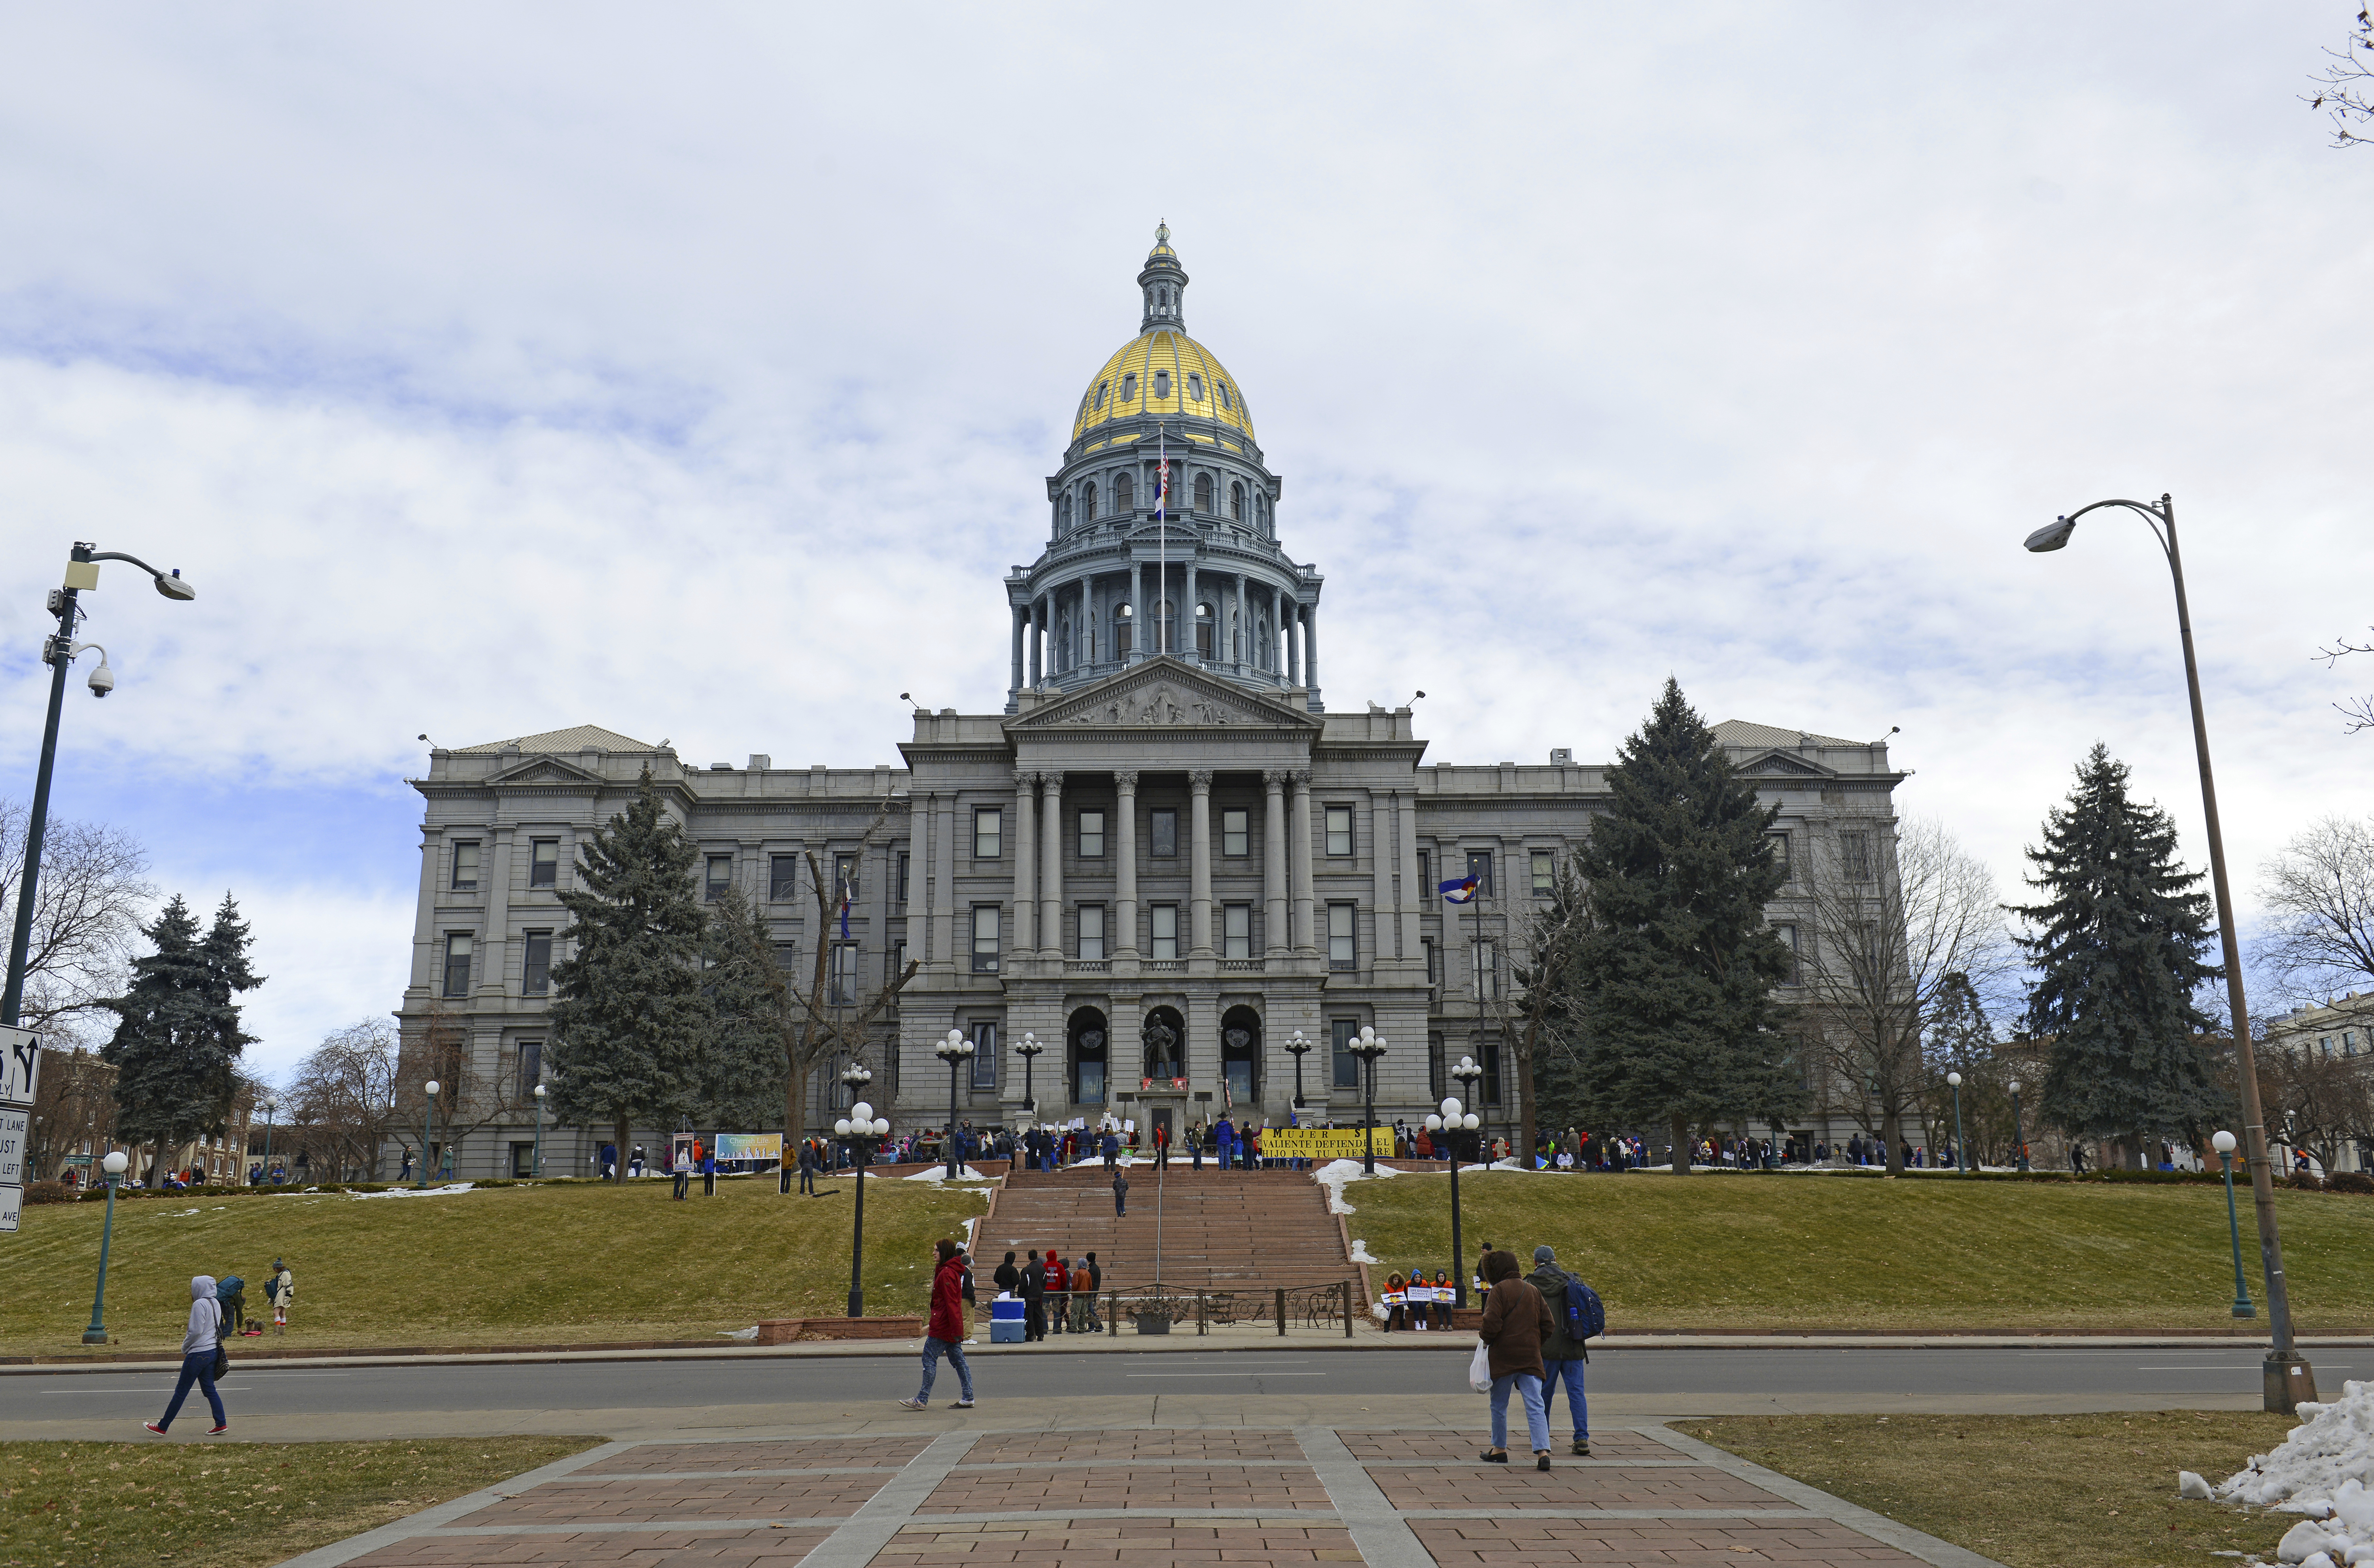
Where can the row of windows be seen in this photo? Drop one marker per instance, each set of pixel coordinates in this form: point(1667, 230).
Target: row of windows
point(542, 863)
point(1221, 391)
point(1123, 497)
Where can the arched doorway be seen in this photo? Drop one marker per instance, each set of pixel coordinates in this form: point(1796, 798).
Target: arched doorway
point(1241, 1057)
point(1087, 1057)
point(1165, 1039)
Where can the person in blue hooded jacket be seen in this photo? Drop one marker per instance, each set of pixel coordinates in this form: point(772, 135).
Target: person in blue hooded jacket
point(198, 1343)
point(1225, 1136)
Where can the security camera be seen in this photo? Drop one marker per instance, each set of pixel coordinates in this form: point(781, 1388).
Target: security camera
point(102, 679)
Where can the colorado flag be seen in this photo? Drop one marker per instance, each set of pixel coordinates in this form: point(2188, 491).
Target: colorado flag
point(1460, 891)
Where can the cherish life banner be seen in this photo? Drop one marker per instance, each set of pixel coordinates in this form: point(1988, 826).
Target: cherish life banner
point(1323, 1142)
point(749, 1146)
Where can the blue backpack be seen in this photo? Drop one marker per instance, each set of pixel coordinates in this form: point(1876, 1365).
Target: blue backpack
point(1586, 1319)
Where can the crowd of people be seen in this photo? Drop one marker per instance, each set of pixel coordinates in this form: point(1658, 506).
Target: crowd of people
point(218, 1312)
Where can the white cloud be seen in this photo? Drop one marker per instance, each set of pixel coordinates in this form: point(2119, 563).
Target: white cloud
point(696, 376)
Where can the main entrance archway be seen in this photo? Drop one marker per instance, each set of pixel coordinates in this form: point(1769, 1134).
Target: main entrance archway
point(1241, 1057)
point(1086, 1056)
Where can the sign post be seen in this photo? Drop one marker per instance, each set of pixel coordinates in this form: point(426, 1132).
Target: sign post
point(21, 1075)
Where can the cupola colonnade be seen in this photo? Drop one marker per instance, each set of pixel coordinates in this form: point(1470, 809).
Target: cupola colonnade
point(1080, 623)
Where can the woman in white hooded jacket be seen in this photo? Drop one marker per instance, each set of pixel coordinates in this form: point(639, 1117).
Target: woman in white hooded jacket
point(198, 1357)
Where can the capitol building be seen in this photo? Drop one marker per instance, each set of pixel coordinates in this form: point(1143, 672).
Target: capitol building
point(1162, 855)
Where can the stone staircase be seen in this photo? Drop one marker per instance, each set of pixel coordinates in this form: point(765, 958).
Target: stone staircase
point(1221, 1230)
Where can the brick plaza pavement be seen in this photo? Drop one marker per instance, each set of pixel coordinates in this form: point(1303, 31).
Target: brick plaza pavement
point(1648, 1497)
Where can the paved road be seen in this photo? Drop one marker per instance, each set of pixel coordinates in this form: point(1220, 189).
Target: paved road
point(1641, 1379)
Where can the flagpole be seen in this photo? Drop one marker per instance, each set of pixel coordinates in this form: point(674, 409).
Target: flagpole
point(1162, 535)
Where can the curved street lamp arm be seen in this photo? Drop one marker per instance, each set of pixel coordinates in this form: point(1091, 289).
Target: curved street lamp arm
point(2161, 520)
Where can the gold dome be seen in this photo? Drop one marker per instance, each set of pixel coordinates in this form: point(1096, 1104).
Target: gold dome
point(1163, 374)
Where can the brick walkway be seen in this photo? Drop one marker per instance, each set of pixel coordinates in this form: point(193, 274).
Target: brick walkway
point(1390, 1498)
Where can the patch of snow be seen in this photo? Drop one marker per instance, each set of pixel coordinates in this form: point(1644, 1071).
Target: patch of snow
point(1336, 1172)
point(2321, 1469)
point(416, 1191)
point(183, 1214)
point(2190, 1485)
point(1360, 1253)
point(750, 1333)
point(940, 1172)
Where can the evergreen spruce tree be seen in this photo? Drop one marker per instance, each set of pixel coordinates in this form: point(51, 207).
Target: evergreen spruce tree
point(630, 1020)
point(2120, 945)
point(178, 1037)
point(1676, 971)
point(741, 1075)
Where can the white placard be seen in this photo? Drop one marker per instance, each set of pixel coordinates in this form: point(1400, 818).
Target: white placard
point(14, 1125)
point(20, 1066)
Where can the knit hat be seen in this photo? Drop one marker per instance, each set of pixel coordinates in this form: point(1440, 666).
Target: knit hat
point(1543, 1255)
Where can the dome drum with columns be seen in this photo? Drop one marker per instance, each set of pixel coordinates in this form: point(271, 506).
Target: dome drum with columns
point(1163, 859)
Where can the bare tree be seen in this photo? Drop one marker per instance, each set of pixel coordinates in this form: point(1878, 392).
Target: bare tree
point(471, 1096)
point(2344, 90)
point(2322, 1102)
point(1544, 1011)
point(1895, 926)
point(339, 1105)
point(86, 911)
point(73, 1112)
point(2318, 891)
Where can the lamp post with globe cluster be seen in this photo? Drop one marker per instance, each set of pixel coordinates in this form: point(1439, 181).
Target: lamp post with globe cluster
point(954, 1049)
point(1455, 1118)
point(1368, 1048)
point(863, 1133)
point(1300, 1047)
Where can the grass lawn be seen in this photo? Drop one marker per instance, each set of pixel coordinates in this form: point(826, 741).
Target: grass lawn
point(1714, 1252)
point(212, 1505)
point(2030, 1492)
point(521, 1264)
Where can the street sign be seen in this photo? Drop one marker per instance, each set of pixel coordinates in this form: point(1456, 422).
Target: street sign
point(15, 1126)
point(10, 1198)
point(20, 1065)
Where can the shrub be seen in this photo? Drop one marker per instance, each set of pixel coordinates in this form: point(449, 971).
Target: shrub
point(48, 1192)
point(2350, 1181)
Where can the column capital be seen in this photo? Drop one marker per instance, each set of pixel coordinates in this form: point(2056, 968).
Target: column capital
point(1301, 777)
point(1025, 778)
point(1273, 777)
point(1201, 779)
point(1126, 779)
point(1051, 784)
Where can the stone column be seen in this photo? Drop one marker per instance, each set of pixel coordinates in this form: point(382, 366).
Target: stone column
point(1299, 831)
point(1413, 894)
point(1125, 883)
point(1019, 620)
point(944, 882)
point(1310, 646)
point(1036, 626)
point(1199, 865)
point(1272, 661)
point(1025, 851)
point(1188, 618)
point(1294, 643)
point(1141, 633)
point(425, 977)
point(1240, 643)
point(1050, 881)
point(494, 960)
point(1276, 938)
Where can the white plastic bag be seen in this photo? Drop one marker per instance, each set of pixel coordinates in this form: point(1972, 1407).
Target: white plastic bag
point(1480, 1370)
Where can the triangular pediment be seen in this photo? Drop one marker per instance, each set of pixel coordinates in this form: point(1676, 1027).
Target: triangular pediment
point(545, 770)
point(1780, 762)
point(1164, 693)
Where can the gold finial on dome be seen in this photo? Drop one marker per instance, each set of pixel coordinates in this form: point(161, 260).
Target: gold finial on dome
point(1161, 233)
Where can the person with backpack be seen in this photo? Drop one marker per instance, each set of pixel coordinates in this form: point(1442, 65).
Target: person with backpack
point(201, 1356)
point(1577, 1315)
point(231, 1293)
point(1516, 1324)
point(280, 1290)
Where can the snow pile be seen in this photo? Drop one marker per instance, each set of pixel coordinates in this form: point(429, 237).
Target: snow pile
point(940, 1172)
point(1336, 1172)
point(2321, 1469)
point(416, 1191)
point(750, 1333)
point(1360, 1254)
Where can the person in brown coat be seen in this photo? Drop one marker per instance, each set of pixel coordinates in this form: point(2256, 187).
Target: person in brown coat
point(1516, 1323)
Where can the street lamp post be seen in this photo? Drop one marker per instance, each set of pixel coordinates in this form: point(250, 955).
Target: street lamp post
point(1368, 1047)
point(953, 1049)
point(2019, 1131)
point(2287, 1378)
point(1961, 1154)
point(113, 1165)
point(58, 651)
point(428, 1132)
point(1455, 1119)
point(1300, 1047)
point(1029, 1051)
point(536, 1161)
point(2223, 1141)
point(863, 1133)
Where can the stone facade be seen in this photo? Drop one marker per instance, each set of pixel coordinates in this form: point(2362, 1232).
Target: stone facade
point(1163, 837)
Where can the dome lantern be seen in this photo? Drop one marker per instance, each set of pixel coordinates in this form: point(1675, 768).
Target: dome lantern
point(1163, 283)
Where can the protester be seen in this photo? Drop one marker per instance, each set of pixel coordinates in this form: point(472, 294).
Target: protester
point(682, 1170)
point(230, 1293)
point(635, 1163)
point(1059, 1292)
point(281, 1288)
point(1443, 1296)
point(944, 1333)
point(1094, 1276)
point(807, 1169)
point(200, 1343)
point(1006, 1277)
point(1516, 1324)
point(1034, 1301)
point(1396, 1304)
point(1120, 1192)
point(1563, 1357)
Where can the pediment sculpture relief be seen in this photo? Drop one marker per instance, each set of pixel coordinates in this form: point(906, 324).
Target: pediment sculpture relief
point(1158, 704)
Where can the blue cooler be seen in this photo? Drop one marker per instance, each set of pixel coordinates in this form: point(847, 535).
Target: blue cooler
point(1005, 1323)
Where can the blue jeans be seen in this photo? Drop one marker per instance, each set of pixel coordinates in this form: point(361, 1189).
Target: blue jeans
point(1538, 1420)
point(198, 1369)
point(932, 1350)
point(1570, 1374)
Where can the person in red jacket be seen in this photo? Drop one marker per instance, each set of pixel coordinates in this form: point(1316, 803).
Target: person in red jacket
point(944, 1333)
point(1059, 1288)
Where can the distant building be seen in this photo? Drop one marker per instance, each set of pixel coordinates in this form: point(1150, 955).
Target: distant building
point(1165, 857)
point(2340, 1030)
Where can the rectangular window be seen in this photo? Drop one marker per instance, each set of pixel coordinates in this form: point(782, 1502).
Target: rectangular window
point(1433, 965)
point(1339, 830)
point(523, 1160)
point(844, 876)
point(1236, 834)
point(457, 963)
point(535, 964)
point(782, 878)
point(1340, 951)
point(720, 876)
point(1854, 856)
point(898, 962)
point(465, 866)
point(787, 956)
point(1237, 930)
point(1425, 878)
point(1346, 1066)
point(531, 1072)
point(1780, 843)
point(1438, 1070)
point(544, 862)
point(1479, 866)
point(843, 978)
point(1163, 843)
point(987, 824)
point(1488, 1058)
point(900, 892)
point(1487, 954)
point(1092, 836)
point(984, 1057)
point(1166, 930)
point(1092, 932)
point(1788, 935)
point(984, 939)
point(1545, 873)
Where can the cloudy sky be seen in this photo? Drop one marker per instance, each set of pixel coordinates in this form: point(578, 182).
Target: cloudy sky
point(694, 371)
